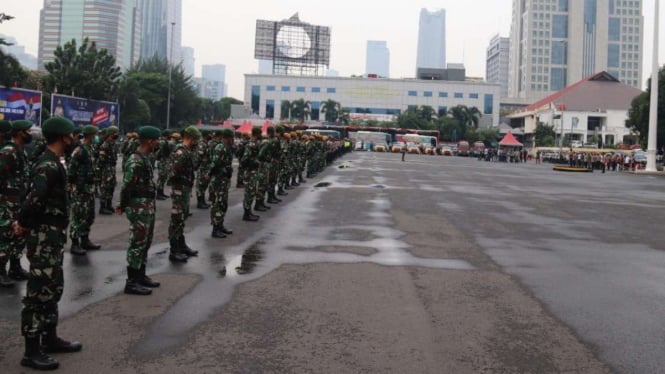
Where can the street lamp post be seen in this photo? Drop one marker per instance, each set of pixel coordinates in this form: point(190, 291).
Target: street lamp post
point(168, 100)
point(653, 106)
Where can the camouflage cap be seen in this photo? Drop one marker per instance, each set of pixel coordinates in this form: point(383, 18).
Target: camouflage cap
point(21, 125)
point(256, 131)
point(90, 130)
point(5, 126)
point(112, 130)
point(149, 132)
point(219, 132)
point(228, 133)
point(57, 126)
point(192, 132)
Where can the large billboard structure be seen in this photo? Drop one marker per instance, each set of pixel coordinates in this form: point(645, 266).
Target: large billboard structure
point(18, 104)
point(294, 47)
point(85, 112)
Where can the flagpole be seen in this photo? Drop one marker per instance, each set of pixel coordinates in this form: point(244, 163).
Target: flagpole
point(653, 106)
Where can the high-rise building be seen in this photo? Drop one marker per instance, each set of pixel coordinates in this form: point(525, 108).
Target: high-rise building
point(432, 40)
point(112, 25)
point(27, 60)
point(188, 61)
point(555, 43)
point(213, 81)
point(497, 65)
point(161, 25)
point(378, 58)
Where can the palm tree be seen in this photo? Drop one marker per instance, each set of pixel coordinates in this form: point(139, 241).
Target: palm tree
point(286, 109)
point(345, 115)
point(331, 109)
point(300, 110)
point(426, 113)
point(465, 115)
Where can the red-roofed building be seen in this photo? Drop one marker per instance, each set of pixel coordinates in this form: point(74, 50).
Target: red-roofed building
point(592, 110)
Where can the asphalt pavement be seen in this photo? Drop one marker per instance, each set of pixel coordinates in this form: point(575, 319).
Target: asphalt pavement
point(433, 265)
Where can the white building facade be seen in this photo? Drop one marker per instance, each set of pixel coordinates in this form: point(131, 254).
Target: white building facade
point(497, 65)
point(378, 58)
point(431, 40)
point(380, 98)
point(556, 42)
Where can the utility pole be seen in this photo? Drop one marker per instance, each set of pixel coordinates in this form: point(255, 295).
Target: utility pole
point(653, 106)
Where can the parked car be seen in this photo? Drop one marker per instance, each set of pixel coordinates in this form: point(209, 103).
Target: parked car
point(397, 147)
point(381, 147)
point(412, 148)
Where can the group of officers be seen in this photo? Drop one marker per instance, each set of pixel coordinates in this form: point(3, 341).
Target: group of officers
point(40, 198)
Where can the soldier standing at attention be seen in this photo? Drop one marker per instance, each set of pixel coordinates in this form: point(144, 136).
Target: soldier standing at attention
point(250, 163)
point(273, 168)
point(108, 157)
point(137, 201)
point(263, 174)
point(81, 180)
point(240, 151)
point(221, 172)
point(163, 157)
point(14, 177)
point(77, 141)
point(181, 184)
point(43, 218)
point(202, 177)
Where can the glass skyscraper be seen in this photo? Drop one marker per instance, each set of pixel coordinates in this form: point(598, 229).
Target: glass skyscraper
point(378, 58)
point(432, 40)
point(555, 43)
point(157, 17)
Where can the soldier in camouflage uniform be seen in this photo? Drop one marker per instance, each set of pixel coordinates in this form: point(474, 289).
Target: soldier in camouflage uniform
point(294, 149)
point(163, 157)
point(130, 146)
point(250, 163)
point(273, 169)
point(202, 177)
point(108, 158)
point(37, 151)
point(263, 174)
point(43, 219)
point(240, 150)
point(181, 184)
point(14, 177)
point(77, 141)
point(137, 201)
point(81, 183)
point(221, 171)
point(285, 166)
point(302, 157)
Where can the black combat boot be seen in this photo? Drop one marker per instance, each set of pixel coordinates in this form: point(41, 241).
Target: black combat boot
point(272, 199)
point(5, 281)
point(52, 343)
point(133, 284)
point(105, 207)
point(184, 248)
point(294, 182)
point(35, 358)
point(145, 280)
point(248, 216)
point(259, 208)
point(301, 179)
point(287, 185)
point(76, 249)
point(88, 245)
point(201, 203)
point(224, 229)
point(263, 204)
point(16, 272)
point(217, 232)
point(160, 195)
point(176, 255)
point(281, 191)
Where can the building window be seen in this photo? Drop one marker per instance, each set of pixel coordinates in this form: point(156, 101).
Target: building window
point(563, 5)
point(443, 94)
point(331, 90)
point(458, 95)
point(473, 96)
point(316, 109)
point(558, 79)
point(270, 88)
point(489, 104)
point(256, 98)
point(300, 89)
point(286, 89)
point(270, 109)
point(613, 56)
point(316, 89)
point(614, 29)
point(559, 26)
point(413, 93)
point(427, 93)
point(412, 108)
point(443, 111)
point(559, 53)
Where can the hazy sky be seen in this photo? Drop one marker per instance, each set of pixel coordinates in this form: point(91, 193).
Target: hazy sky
point(224, 33)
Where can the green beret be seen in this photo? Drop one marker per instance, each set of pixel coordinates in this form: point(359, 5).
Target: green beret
point(280, 129)
point(90, 130)
point(219, 132)
point(21, 125)
point(166, 132)
point(192, 132)
point(149, 132)
point(112, 130)
point(256, 131)
point(5, 126)
point(57, 126)
point(228, 133)
point(77, 130)
point(271, 130)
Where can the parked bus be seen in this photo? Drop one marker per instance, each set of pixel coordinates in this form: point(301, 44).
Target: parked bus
point(463, 148)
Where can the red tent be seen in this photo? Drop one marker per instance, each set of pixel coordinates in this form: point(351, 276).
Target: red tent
point(264, 128)
point(228, 124)
point(510, 141)
point(246, 127)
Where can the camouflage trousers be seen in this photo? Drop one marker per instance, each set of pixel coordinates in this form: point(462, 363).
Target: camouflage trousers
point(107, 183)
point(179, 210)
point(83, 214)
point(251, 184)
point(284, 172)
point(46, 281)
point(10, 245)
point(263, 181)
point(241, 175)
point(273, 175)
point(163, 173)
point(219, 195)
point(202, 182)
point(141, 216)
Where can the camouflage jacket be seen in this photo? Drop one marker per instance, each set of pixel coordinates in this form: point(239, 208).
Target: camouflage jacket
point(81, 171)
point(250, 156)
point(222, 159)
point(182, 167)
point(138, 187)
point(108, 156)
point(265, 151)
point(38, 150)
point(14, 171)
point(202, 155)
point(47, 202)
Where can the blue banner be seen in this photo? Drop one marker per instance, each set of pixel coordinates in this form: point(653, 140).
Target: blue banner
point(17, 103)
point(85, 112)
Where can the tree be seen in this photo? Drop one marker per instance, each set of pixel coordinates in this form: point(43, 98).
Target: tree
point(465, 115)
point(638, 114)
point(11, 71)
point(84, 71)
point(488, 135)
point(223, 107)
point(345, 116)
point(331, 109)
point(300, 110)
point(545, 135)
point(286, 109)
point(426, 113)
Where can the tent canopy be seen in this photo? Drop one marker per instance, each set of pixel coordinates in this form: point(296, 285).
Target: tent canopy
point(246, 127)
point(510, 141)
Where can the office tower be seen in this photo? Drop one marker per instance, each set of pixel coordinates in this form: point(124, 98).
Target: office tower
point(378, 58)
point(188, 61)
point(557, 42)
point(214, 80)
point(161, 26)
point(497, 65)
point(113, 25)
point(432, 40)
